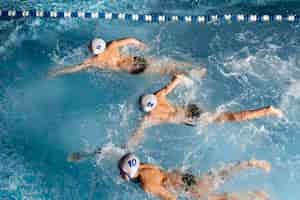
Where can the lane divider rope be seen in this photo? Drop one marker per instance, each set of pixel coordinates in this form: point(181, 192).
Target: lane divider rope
point(149, 18)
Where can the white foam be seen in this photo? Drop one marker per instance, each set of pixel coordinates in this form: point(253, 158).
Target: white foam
point(188, 82)
point(13, 39)
point(290, 102)
point(17, 175)
point(110, 151)
point(75, 55)
point(294, 89)
point(264, 64)
point(248, 37)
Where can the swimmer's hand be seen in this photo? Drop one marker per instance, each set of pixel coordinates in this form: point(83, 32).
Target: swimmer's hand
point(77, 156)
point(260, 195)
point(199, 73)
point(52, 73)
point(74, 157)
point(276, 111)
point(180, 76)
point(141, 45)
point(262, 164)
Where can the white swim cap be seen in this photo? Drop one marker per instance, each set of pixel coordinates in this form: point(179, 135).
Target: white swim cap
point(149, 102)
point(129, 165)
point(97, 46)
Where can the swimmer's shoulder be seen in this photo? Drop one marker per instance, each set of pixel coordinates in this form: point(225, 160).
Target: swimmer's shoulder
point(151, 174)
point(148, 166)
point(95, 60)
point(112, 44)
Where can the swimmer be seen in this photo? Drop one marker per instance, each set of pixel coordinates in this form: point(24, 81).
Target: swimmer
point(159, 110)
point(108, 56)
point(167, 184)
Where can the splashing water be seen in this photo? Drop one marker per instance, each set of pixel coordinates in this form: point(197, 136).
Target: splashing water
point(43, 120)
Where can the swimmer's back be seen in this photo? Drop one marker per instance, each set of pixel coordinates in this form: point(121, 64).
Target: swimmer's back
point(151, 175)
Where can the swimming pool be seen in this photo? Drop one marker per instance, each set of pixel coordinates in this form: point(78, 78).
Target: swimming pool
point(42, 120)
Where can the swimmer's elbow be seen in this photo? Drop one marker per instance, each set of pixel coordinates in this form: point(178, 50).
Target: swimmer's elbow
point(226, 117)
point(88, 61)
point(161, 192)
point(132, 40)
point(168, 198)
point(125, 41)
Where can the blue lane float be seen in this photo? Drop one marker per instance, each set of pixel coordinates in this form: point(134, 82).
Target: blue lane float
point(149, 18)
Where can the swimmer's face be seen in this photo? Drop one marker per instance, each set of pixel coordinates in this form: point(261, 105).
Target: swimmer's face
point(124, 176)
point(90, 47)
point(147, 102)
point(140, 103)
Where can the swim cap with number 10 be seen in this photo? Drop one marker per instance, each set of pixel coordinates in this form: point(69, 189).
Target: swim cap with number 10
point(129, 164)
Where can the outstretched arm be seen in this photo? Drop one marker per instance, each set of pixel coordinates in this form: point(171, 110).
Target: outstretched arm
point(164, 194)
point(175, 67)
point(215, 175)
point(71, 69)
point(159, 191)
point(127, 41)
point(171, 85)
point(224, 196)
point(67, 70)
point(77, 156)
point(106, 150)
point(259, 195)
point(137, 135)
point(209, 180)
point(248, 114)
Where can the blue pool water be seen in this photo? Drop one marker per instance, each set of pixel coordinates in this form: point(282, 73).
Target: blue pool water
point(42, 120)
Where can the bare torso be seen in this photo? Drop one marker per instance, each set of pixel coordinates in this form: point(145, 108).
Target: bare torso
point(154, 180)
point(175, 182)
point(112, 59)
point(166, 184)
point(150, 175)
point(165, 112)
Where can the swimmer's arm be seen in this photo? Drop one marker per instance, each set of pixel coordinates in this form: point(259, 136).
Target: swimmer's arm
point(224, 196)
point(233, 168)
point(165, 195)
point(171, 85)
point(137, 135)
point(248, 114)
point(71, 69)
point(159, 191)
point(127, 41)
point(239, 196)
